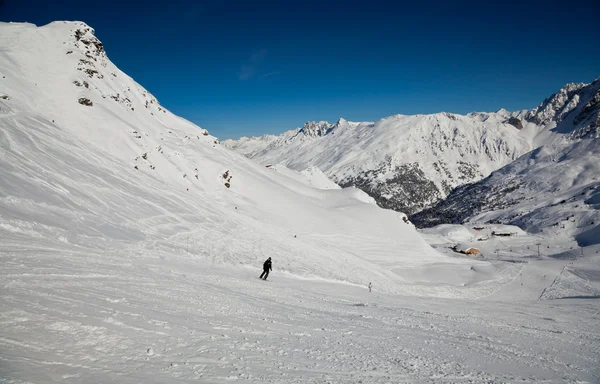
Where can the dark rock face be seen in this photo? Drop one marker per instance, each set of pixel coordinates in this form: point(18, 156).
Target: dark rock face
point(555, 107)
point(515, 122)
point(466, 201)
point(91, 49)
point(87, 37)
point(86, 102)
point(589, 118)
point(407, 191)
point(315, 129)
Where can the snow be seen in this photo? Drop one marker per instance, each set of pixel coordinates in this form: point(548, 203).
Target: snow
point(110, 317)
point(127, 258)
point(312, 177)
point(540, 175)
point(444, 232)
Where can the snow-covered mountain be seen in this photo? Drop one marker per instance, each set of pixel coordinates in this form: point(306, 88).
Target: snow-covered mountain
point(406, 163)
point(91, 157)
point(554, 189)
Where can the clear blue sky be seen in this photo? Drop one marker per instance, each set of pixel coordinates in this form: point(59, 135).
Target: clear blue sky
point(254, 67)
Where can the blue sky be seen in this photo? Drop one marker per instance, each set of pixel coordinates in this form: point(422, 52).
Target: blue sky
point(254, 67)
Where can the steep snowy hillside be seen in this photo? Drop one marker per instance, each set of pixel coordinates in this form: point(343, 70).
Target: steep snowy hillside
point(406, 163)
point(552, 189)
point(89, 156)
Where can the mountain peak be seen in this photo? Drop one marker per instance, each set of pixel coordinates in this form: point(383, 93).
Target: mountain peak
point(87, 36)
point(316, 129)
point(569, 87)
point(575, 109)
point(68, 24)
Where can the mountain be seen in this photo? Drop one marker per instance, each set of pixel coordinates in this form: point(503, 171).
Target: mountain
point(407, 163)
point(554, 189)
point(91, 160)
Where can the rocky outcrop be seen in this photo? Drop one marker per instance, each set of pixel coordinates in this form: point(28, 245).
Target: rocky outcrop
point(515, 122)
point(316, 129)
point(408, 190)
point(575, 109)
point(85, 101)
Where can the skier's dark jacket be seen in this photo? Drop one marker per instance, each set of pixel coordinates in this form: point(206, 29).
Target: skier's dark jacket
point(267, 265)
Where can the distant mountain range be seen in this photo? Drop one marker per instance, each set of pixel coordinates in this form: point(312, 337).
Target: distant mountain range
point(407, 163)
point(437, 167)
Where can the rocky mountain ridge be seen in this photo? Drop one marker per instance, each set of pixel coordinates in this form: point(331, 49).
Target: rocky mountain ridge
point(406, 163)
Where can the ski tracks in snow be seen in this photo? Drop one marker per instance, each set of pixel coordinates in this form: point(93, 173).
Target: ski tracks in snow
point(107, 318)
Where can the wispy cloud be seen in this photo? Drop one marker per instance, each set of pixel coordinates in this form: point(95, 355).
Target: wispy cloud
point(251, 66)
point(269, 74)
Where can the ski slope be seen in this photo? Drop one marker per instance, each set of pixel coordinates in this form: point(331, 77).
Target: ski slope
point(98, 316)
point(123, 176)
point(131, 242)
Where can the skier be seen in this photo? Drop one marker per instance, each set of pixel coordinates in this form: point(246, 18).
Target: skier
point(370, 285)
point(266, 268)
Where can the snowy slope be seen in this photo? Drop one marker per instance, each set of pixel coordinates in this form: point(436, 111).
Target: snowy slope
point(102, 317)
point(130, 243)
point(124, 172)
point(405, 162)
point(310, 176)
